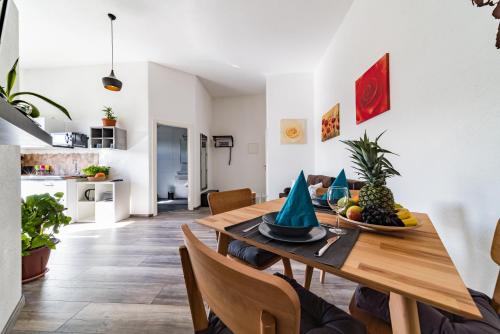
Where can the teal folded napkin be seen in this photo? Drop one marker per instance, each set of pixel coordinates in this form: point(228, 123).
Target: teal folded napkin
point(298, 209)
point(340, 181)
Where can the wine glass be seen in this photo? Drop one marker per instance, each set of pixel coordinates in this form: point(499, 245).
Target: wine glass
point(338, 198)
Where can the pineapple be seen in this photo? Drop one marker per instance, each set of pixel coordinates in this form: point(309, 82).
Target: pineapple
point(374, 168)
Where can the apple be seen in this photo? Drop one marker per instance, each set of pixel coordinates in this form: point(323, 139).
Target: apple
point(354, 213)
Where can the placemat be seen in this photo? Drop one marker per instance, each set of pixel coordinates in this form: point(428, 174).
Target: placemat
point(335, 256)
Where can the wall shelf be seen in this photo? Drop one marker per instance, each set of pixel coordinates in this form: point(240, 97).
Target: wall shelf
point(109, 137)
point(18, 129)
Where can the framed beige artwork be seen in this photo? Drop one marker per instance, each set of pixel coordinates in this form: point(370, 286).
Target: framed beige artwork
point(293, 131)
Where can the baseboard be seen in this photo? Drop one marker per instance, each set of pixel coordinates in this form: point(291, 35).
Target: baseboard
point(13, 317)
point(142, 215)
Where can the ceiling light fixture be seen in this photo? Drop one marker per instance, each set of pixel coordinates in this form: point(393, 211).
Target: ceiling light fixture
point(111, 82)
point(235, 66)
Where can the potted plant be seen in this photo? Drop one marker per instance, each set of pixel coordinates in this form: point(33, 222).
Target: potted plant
point(23, 106)
point(109, 117)
point(96, 173)
point(42, 217)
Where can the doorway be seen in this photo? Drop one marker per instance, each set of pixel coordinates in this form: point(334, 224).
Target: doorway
point(172, 184)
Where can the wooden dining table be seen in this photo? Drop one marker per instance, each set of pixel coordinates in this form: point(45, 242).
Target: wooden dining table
point(411, 266)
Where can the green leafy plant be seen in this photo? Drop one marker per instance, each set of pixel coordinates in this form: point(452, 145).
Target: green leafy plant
point(92, 170)
point(23, 105)
point(108, 113)
point(42, 217)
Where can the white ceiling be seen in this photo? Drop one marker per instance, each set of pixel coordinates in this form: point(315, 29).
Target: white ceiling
point(203, 37)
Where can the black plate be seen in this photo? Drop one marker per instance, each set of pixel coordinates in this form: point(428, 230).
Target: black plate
point(321, 203)
point(316, 233)
point(286, 231)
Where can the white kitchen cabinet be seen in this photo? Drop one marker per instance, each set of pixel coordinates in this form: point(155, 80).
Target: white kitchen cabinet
point(40, 185)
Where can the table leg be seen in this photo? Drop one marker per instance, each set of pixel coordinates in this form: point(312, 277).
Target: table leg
point(308, 277)
point(222, 244)
point(404, 314)
point(322, 276)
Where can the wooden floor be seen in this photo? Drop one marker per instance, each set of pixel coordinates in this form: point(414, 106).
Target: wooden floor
point(126, 278)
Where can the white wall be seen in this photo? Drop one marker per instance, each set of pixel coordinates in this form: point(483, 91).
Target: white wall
point(288, 96)
point(80, 90)
point(203, 121)
point(10, 188)
point(178, 99)
point(244, 118)
point(169, 161)
point(444, 119)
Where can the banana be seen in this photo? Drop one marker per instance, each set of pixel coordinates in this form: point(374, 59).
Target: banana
point(404, 214)
point(412, 221)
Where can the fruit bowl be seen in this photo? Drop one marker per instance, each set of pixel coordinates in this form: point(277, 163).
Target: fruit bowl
point(383, 228)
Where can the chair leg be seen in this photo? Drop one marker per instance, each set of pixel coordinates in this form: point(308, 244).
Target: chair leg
point(198, 314)
point(287, 267)
point(308, 277)
point(322, 276)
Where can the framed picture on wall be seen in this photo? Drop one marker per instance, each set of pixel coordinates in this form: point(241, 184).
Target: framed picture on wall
point(330, 123)
point(372, 91)
point(293, 131)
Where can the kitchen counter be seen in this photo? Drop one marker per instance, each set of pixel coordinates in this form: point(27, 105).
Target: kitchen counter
point(51, 177)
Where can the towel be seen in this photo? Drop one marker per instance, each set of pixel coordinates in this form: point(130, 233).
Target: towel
point(340, 181)
point(298, 209)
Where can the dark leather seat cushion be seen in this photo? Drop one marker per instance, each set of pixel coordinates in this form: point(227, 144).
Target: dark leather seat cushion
point(433, 320)
point(317, 316)
point(255, 256)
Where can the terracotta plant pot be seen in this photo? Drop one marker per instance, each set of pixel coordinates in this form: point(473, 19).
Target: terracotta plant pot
point(108, 122)
point(35, 264)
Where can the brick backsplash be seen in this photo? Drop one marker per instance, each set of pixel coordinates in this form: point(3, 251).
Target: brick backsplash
point(62, 163)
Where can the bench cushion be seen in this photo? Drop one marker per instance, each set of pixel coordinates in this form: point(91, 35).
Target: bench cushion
point(255, 256)
point(433, 320)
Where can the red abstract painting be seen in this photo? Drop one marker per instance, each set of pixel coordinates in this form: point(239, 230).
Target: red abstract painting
point(372, 91)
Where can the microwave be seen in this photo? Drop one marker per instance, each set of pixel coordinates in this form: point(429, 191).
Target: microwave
point(70, 139)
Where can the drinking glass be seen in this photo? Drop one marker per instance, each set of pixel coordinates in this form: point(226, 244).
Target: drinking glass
point(338, 198)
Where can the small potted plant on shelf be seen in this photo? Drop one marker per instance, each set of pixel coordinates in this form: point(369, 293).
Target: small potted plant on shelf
point(109, 117)
point(42, 217)
point(96, 173)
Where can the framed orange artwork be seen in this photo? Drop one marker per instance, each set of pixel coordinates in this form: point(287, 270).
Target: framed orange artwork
point(330, 123)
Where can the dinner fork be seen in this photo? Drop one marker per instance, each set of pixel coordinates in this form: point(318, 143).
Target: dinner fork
point(250, 228)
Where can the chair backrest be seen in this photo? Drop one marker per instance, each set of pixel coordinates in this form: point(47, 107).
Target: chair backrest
point(223, 201)
point(246, 300)
point(495, 255)
point(495, 247)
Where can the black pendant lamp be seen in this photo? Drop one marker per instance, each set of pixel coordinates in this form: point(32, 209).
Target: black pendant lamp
point(111, 82)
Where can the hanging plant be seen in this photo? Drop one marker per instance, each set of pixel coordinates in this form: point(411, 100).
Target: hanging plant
point(24, 106)
point(495, 13)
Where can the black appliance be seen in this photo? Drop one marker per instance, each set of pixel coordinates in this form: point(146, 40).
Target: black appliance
point(70, 139)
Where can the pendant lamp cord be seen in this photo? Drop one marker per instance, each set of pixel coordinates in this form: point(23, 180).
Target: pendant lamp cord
point(112, 47)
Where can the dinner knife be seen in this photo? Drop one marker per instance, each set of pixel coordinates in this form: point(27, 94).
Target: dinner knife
point(329, 242)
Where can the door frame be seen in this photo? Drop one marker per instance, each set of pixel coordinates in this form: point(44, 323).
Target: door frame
point(154, 162)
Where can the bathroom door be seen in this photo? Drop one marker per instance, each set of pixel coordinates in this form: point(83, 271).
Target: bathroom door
point(203, 162)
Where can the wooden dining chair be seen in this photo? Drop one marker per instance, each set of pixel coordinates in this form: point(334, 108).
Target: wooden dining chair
point(220, 202)
point(375, 325)
point(495, 255)
point(244, 300)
